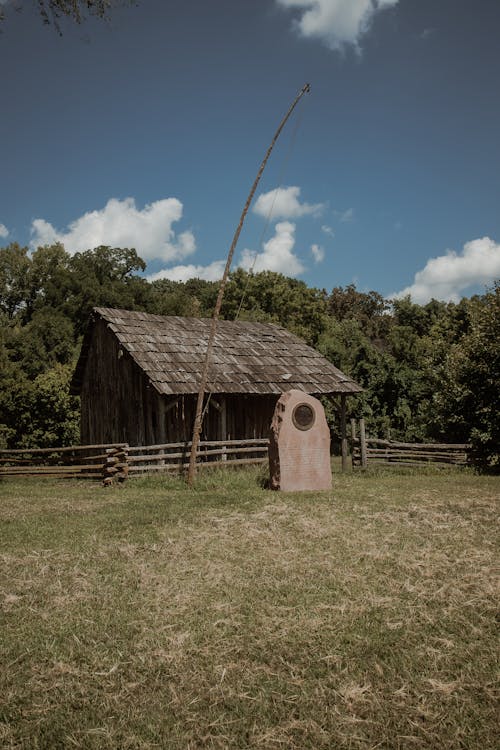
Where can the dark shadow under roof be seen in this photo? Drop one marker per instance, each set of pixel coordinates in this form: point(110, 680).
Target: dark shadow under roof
point(247, 357)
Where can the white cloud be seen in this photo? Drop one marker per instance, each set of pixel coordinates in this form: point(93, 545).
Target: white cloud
point(327, 230)
point(447, 276)
point(4, 232)
point(212, 272)
point(277, 254)
point(284, 203)
point(318, 253)
point(337, 23)
point(121, 224)
point(345, 216)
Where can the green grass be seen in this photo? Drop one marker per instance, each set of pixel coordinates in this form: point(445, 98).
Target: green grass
point(152, 616)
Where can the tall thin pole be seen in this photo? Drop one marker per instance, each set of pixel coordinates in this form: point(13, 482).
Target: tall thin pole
point(213, 327)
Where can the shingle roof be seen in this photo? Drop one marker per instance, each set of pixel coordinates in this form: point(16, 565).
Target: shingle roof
point(247, 357)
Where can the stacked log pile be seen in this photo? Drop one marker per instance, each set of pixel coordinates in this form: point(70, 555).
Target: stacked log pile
point(116, 467)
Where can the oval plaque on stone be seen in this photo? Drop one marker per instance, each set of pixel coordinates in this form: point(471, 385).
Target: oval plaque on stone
point(303, 417)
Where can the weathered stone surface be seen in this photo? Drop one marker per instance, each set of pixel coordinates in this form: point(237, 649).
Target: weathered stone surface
point(299, 446)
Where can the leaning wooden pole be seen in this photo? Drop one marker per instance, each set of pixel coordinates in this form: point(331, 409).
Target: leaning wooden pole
point(213, 327)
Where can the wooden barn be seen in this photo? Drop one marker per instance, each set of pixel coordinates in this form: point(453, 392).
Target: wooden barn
point(138, 376)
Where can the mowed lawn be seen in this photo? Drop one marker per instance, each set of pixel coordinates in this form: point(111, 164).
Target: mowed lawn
point(153, 616)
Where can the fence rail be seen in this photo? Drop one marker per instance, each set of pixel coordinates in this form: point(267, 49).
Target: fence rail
point(374, 451)
point(104, 462)
point(175, 456)
point(111, 461)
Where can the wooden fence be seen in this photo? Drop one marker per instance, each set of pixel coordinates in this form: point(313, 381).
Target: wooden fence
point(175, 456)
point(373, 451)
point(108, 462)
point(104, 462)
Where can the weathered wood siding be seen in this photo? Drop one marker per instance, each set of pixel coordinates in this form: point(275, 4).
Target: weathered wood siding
point(119, 404)
point(114, 395)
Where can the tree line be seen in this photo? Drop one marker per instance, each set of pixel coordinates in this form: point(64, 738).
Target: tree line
point(430, 372)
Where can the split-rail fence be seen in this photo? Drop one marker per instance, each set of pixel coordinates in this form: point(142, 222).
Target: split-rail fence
point(104, 462)
point(367, 451)
point(175, 456)
point(117, 461)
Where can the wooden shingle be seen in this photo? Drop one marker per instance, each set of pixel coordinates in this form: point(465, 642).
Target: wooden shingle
point(248, 357)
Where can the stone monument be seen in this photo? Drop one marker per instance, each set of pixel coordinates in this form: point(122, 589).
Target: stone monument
point(299, 446)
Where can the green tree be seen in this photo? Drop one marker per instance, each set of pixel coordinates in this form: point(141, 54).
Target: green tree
point(105, 277)
point(466, 400)
point(54, 414)
point(47, 340)
point(10, 377)
point(39, 412)
point(52, 11)
point(14, 272)
point(370, 309)
point(49, 279)
point(270, 296)
point(194, 298)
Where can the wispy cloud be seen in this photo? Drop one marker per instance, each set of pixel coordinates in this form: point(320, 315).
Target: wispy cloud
point(317, 253)
point(426, 33)
point(284, 203)
point(4, 232)
point(337, 23)
point(448, 276)
point(344, 216)
point(327, 230)
point(121, 224)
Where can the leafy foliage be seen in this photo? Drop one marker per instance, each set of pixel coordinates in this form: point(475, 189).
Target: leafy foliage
point(53, 11)
point(272, 297)
point(467, 402)
point(428, 371)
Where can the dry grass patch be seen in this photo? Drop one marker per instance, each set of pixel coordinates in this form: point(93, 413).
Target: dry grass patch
point(150, 616)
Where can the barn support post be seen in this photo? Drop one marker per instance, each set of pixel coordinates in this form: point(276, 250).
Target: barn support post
point(343, 430)
point(223, 424)
point(162, 424)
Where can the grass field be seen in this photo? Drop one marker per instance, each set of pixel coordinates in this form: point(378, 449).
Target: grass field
point(151, 616)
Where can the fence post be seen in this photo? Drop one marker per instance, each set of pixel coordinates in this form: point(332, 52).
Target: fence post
point(353, 430)
point(109, 468)
point(353, 440)
point(362, 441)
point(122, 465)
point(343, 433)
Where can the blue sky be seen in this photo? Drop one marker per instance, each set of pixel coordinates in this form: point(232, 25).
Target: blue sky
point(147, 131)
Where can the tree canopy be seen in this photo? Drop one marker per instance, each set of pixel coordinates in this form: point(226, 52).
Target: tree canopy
point(429, 372)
